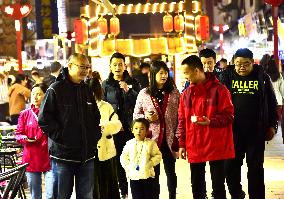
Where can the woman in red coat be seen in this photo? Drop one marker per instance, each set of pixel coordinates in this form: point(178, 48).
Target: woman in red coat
point(205, 127)
point(35, 146)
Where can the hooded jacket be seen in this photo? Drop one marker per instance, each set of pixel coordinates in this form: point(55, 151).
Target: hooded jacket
point(69, 116)
point(214, 141)
point(35, 153)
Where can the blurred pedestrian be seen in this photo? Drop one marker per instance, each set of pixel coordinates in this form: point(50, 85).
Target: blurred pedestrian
point(36, 78)
point(4, 99)
point(55, 68)
point(19, 95)
point(139, 157)
point(106, 182)
point(158, 103)
point(255, 121)
point(223, 64)
point(120, 90)
point(69, 116)
point(35, 144)
point(205, 118)
point(143, 76)
point(278, 86)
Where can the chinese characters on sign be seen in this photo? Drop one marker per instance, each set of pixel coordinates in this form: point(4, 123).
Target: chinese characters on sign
point(46, 18)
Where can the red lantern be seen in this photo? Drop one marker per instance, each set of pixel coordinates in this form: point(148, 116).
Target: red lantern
point(274, 2)
point(114, 26)
point(168, 23)
point(179, 23)
point(202, 27)
point(102, 24)
point(80, 29)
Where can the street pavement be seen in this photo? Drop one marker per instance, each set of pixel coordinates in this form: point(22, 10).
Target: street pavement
point(274, 174)
point(273, 166)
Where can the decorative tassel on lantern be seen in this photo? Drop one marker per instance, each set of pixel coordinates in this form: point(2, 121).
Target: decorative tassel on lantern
point(102, 24)
point(114, 26)
point(179, 23)
point(168, 23)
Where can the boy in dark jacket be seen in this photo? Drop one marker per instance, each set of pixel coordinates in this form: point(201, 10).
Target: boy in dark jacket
point(70, 117)
point(255, 121)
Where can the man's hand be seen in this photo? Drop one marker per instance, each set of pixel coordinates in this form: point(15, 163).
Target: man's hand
point(124, 86)
point(205, 121)
point(182, 153)
point(269, 134)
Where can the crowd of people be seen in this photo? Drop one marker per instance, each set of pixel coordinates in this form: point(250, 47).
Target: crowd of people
point(102, 135)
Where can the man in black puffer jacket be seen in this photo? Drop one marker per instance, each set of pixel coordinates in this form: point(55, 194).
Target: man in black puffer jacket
point(120, 90)
point(69, 116)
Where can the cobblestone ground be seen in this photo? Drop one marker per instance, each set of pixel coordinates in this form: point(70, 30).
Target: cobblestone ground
point(274, 174)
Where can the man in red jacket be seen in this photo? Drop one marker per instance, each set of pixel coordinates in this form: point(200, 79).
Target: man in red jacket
point(205, 125)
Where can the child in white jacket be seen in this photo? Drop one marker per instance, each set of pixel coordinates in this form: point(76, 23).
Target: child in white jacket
point(138, 158)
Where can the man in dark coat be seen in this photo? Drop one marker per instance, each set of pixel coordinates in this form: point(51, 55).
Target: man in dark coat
point(69, 116)
point(120, 90)
point(255, 121)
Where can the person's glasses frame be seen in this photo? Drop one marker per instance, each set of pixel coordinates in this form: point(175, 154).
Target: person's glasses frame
point(82, 67)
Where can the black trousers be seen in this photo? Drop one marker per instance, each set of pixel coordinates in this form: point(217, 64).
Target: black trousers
point(254, 152)
point(106, 183)
point(120, 140)
point(217, 170)
point(169, 166)
point(142, 189)
point(4, 112)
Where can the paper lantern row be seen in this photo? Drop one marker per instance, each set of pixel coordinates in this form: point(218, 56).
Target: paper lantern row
point(142, 47)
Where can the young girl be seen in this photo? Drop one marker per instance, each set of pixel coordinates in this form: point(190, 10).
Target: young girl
point(35, 152)
point(138, 158)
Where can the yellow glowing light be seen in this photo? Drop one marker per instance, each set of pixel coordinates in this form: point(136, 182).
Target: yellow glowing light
point(180, 6)
point(195, 6)
point(98, 10)
point(190, 17)
point(155, 5)
point(189, 25)
point(87, 10)
point(105, 11)
point(146, 8)
point(129, 7)
point(162, 7)
point(120, 8)
point(93, 19)
point(172, 6)
point(189, 37)
point(137, 8)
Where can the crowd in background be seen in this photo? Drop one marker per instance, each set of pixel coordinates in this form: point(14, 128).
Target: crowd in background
point(109, 133)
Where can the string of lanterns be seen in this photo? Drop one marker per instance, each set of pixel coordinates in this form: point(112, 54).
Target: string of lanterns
point(114, 26)
point(170, 23)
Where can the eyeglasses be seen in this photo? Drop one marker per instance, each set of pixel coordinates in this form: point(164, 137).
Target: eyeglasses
point(82, 67)
point(246, 64)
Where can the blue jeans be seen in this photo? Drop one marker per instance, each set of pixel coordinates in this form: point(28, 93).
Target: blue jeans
point(34, 181)
point(55, 177)
point(84, 179)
